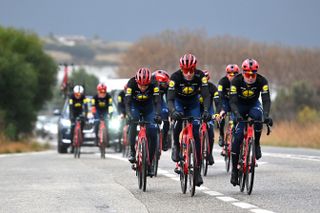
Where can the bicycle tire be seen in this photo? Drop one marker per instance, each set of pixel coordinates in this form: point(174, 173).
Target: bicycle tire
point(80, 141)
point(193, 171)
point(144, 165)
point(242, 174)
point(227, 150)
point(251, 166)
point(139, 165)
point(103, 141)
point(205, 154)
point(156, 157)
point(183, 172)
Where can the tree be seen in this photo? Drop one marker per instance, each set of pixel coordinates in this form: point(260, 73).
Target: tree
point(83, 78)
point(27, 76)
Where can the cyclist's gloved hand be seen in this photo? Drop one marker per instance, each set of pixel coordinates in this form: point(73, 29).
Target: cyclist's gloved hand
point(175, 115)
point(206, 116)
point(268, 120)
point(157, 119)
point(238, 117)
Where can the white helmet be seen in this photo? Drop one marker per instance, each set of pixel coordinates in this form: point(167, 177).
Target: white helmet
point(78, 89)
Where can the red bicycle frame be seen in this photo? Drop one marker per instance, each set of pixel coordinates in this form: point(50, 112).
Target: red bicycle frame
point(186, 135)
point(203, 131)
point(142, 135)
point(77, 140)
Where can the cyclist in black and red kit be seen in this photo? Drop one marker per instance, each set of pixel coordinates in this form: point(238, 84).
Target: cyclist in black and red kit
point(244, 101)
point(214, 97)
point(224, 92)
point(183, 100)
point(142, 96)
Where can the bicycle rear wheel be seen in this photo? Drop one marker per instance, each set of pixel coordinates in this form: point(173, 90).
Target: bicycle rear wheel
point(251, 162)
point(144, 165)
point(242, 169)
point(77, 142)
point(193, 171)
point(205, 154)
point(156, 157)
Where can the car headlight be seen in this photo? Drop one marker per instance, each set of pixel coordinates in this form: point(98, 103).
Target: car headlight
point(66, 122)
point(114, 124)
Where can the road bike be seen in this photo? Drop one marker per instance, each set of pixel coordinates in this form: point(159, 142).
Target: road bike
point(205, 147)
point(228, 138)
point(188, 157)
point(103, 137)
point(247, 156)
point(77, 137)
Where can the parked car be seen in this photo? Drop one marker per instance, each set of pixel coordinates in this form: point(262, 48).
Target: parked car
point(64, 128)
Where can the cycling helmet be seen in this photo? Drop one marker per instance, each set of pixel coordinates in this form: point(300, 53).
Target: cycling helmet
point(143, 76)
point(232, 68)
point(250, 65)
point(188, 61)
point(78, 89)
point(102, 88)
point(206, 73)
point(161, 76)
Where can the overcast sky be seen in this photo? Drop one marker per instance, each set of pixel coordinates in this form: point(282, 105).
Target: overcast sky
point(290, 22)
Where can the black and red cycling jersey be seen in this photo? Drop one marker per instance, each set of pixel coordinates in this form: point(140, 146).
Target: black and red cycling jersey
point(247, 94)
point(180, 88)
point(77, 106)
point(102, 104)
point(133, 93)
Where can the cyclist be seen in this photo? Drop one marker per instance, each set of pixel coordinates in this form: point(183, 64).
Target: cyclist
point(244, 93)
point(101, 107)
point(183, 99)
point(77, 106)
point(143, 97)
point(214, 96)
point(162, 78)
point(224, 91)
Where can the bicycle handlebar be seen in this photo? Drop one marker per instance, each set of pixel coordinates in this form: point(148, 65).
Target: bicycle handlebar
point(251, 121)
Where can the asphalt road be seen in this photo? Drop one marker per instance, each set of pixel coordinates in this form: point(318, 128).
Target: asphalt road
point(287, 180)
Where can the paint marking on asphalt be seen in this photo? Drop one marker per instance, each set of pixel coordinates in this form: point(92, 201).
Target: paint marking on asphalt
point(244, 205)
point(295, 157)
point(227, 199)
point(213, 193)
point(261, 211)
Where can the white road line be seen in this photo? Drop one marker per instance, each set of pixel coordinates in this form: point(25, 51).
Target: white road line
point(244, 205)
point(295, 157)
point(213, 193)
point(227, 199)
point(261, 211)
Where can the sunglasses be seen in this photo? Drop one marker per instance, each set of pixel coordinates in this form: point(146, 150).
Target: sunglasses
point(232, 73)
point(186, 71)
point(252, 75)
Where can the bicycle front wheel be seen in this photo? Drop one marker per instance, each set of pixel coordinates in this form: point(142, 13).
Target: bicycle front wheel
point(103, 142)
point(242, 169)
point(251, 163)
point(183, 170)
point(157, 157)
point(144, 165)
point(193, 171)
point(205, 154)
point(227, 150)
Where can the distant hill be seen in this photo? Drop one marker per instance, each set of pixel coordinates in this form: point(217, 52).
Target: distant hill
point(83, 51)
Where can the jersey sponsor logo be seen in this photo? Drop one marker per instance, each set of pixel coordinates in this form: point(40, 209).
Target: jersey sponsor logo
point(156, 89)
point(70, 101)
point(142, 97)
point(216, 94)
point(171, 84)
point(110, 100)
point(119, 99)
point(265, 88)
point(204, 80)
point(220, 88)
point(233, 89)
point(77, 105)
point(102, 104)
point(129, 90)
point(86, 100)
point(187, 90)
point(247, 93)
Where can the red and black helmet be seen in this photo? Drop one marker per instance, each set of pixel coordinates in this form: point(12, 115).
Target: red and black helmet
point(206, 73)
point(232, 68)
point(143, 76)
point(188, 61)
point(161, 76)
point(250, 65)
point(102, 88)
